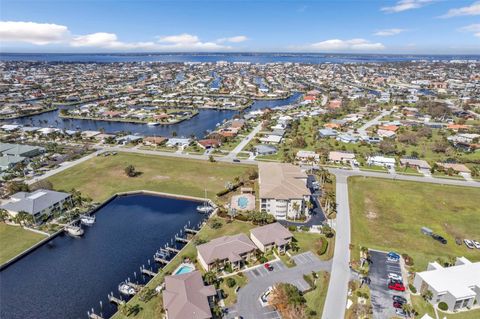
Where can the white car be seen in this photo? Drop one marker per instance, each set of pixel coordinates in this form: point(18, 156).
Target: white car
point(476, 244)
point(395, 276)
point(469, 243)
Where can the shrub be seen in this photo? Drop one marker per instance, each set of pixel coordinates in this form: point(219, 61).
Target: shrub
point(408, 260)
point(412, 288)
point(443, 306)
point(322, 246)
point(215, 224)
point(305, 228)
point(262, 259)
point(242, 217)
point(292, 228)
point(231, 282)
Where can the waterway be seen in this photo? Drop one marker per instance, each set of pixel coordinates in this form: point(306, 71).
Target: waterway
point(205, 121)
point(69, 276)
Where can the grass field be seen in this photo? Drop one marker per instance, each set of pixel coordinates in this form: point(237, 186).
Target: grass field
point(14, 240)
point(388, 215)
point(101, 177)
point(316, 298)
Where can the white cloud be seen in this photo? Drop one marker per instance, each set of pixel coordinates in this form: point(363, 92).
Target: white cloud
point(471, 10)
point(404, 5)
point(32, 32)
point(108, 41)
point(187, 42)
point(346, 45)
point(236, 39)
point(474, 28)
point(389, 32)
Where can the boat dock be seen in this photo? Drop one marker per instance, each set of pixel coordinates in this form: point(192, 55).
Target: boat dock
point(94, 316)
point(148, 272)
point(161, 260)
point(174, 250)
point(181, 240)
point(115, 300)
point(191, 231)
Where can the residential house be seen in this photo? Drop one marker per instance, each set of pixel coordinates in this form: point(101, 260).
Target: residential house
point(347, 138)
point(263, 149)
point(178, 142)
point(414, 163)
point(379, 160)
point(271, 236)
point(458, 286)
point(458, 168)
point(341, 157)
point(186, 296)
point(154, 140)
point(283, 190)
point(307, 157)
point(234, 250)
point(209, 143)
point(327, 132)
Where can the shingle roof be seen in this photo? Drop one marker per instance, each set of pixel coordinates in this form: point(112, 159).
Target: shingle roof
point(282, 181)
point(226, 247)
point(271, 233)
point(186, 296)
point(34, 202)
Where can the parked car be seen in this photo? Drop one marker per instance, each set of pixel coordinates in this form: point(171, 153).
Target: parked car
point(468, 243)
point(400, 312)
point(399, 298)
point(236, 160)
point(397, 304)
point(398, 286)
point(476, 244)
point(439, 238)
point(268, 267)
point(393, 255)
point(395, 276)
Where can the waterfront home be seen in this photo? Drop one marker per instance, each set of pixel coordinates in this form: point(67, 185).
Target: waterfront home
point(186, 296)
point(283, 190)
point(154, 140)
point(264, 149)
point(124, 140)
point(458, 286)
point(40, 203)
point(341, 157)
point(271, 236)
point(379, 160)
point(179, 142)
point(20, 150)
point(307, 157)
point(209, 143)
point(234, 250)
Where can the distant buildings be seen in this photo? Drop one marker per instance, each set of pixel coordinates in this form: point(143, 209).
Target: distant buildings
point(283, 190)
point(458, 286)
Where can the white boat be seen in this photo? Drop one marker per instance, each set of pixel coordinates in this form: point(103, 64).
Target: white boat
point(74, 230)
point(87, 220)
point(126, 289)
point(205, 208)
point(153, 123)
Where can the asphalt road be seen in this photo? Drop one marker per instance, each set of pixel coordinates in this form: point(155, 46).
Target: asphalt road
point(245, 141)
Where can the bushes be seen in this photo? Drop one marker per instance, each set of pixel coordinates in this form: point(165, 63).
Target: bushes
point(412, 288)
point(231, 282)
point(322, 245)
point(443, 306)
point(408, 260)
point(292, 228)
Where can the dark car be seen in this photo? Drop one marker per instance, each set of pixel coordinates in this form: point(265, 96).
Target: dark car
point(397, 304)
point(439, 238)
point(398, 298)
point(268, 267)
point(236, 160)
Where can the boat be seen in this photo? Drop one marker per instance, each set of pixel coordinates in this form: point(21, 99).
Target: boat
point(205, 208)
point(87, 220)
point(153, 123)
point(74, 230)
point(126, 289)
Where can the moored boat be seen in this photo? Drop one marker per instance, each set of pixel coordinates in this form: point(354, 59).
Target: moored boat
point(74, 230)
point(87, 220)
point(125, 289)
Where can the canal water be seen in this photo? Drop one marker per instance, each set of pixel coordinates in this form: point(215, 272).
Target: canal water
point(69, 276)
point(205, 121)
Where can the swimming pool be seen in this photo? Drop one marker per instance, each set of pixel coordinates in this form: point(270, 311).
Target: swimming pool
point(242, 202)
point(184, 269)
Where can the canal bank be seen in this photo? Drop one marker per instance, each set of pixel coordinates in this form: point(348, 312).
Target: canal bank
point(81, 272)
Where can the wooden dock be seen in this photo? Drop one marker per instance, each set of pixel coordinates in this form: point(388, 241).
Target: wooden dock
point(191, 231)
point(181, 240)
point(94, 316)
point(161, 260)
point(149, 272)
point(115, 300)
point(176, 251)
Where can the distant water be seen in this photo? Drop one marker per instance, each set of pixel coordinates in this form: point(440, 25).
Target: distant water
point(69, 276)
point(229, 57)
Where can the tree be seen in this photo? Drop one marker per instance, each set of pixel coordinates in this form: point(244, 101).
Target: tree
point(211, 159)
point(3, 215)
point(130, 171)
point(387, 147)
point(210, 278)
point(427, 295)
point(288, 300)
point(408, 309)
point(231, 282)
point(15, 187)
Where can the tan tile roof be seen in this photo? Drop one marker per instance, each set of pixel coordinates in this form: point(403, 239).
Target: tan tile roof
point(282, 181)
point(186, 296)
point(226, 247)
point(272, 233)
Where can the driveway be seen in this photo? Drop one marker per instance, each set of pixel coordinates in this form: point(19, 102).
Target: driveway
point(259, 280)
point(381, 296)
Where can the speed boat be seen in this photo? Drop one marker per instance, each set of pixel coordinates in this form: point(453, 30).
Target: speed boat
point(87, 220)
point(126, 289)
point(74, 230)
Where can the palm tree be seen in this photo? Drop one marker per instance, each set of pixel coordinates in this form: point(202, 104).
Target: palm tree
point(3, 215)
point(210, 277)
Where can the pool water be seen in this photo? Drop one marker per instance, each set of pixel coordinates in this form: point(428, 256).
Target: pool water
point(184, 270)
point(243, 202)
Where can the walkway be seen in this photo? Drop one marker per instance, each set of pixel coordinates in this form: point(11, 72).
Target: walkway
point(244, 142)
point(336, 300)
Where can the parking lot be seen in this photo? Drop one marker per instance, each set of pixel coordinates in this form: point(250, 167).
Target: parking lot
point(261, 271)
point(381, 296)
point(304, 258)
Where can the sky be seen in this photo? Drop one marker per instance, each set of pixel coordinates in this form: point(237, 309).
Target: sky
point(341, 26)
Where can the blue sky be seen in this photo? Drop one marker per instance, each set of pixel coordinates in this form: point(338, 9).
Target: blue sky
point(397, 26)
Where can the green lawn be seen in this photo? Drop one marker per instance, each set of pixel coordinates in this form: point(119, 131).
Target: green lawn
point(241, 280)
point(388, 215)
point(316, 298)
point(14, 240)
point(101, 177)
point(310, 242)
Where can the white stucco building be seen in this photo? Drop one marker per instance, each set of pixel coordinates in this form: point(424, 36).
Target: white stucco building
point(283, 190)
point(458, 286)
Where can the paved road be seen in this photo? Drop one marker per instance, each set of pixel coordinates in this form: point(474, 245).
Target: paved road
point(245, 141)
point(363, 129)
point(336, 300)
point(248, 305)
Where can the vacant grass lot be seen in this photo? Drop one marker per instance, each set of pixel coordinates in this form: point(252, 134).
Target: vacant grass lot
point(316, 297)
point(14, 240)
point(101, 177)
point(388, 215)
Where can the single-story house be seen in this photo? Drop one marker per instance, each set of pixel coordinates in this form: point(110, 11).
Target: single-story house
point(179, 142)
point(264, 149)
point(271, 139)
point(347, 138)
point(20, 150)
point(415, 163)
point(209, 143)
point(327, 132)
point(38, 203)
point(154, 140)
point(128, 139)
point(458, 286)
point(307, 157)
point(218, 252)
point(9, 161)
point(186, 296)
point(341, 157)
point(459, 168)
point(271, 236)
point(379, 160)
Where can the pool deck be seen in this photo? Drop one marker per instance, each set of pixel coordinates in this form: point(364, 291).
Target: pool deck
point(250, 202)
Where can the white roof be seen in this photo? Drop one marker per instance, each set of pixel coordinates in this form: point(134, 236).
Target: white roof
point(381, 159)
point(456, 280)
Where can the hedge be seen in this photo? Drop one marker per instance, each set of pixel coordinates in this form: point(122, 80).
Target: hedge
point(323, 246)
point(443, 306)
